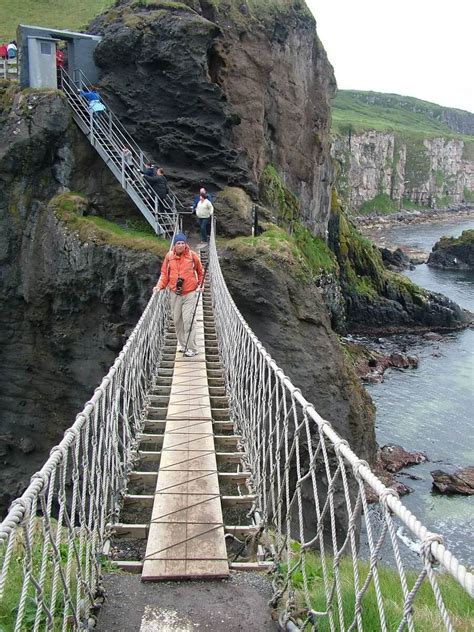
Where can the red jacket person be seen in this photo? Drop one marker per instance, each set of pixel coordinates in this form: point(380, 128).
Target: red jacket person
point(183, 273)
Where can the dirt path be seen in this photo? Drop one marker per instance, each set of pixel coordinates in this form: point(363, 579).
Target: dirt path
point(234, 605)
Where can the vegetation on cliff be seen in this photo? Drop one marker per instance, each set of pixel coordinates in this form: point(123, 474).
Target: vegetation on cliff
point(398, 152)
point(376, 298)
point(359, 112)
point(70, 208)
point(306, 255)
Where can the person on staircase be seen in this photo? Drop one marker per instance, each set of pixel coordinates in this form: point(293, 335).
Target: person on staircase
point(95, 103)
point(159, 184)
point(204, 212)
point(183, 273)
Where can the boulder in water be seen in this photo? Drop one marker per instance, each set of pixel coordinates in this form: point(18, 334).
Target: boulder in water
point(460, 482)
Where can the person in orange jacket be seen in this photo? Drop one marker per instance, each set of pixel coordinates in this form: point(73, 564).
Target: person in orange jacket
point(183, 273)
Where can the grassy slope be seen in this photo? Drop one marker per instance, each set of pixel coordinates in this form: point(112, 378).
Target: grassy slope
point(391, 112)
point(67, 14)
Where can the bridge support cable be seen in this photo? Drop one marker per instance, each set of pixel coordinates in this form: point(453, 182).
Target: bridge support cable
point(122, 155)
point(312, 498)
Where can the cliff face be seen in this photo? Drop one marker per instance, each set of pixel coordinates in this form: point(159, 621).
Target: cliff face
point(430, 172)
point(223, 107)
point(66, 306)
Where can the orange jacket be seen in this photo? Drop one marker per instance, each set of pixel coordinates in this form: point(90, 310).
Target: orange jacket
point(188, 266)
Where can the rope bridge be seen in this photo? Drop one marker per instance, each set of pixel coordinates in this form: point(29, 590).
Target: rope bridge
point(310, 497)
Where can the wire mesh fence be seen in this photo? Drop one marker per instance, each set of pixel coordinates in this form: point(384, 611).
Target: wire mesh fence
point(339, 560)
point(52, 540)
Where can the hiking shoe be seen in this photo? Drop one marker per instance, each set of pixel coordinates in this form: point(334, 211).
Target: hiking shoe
point(189, 353)
point(180, 348)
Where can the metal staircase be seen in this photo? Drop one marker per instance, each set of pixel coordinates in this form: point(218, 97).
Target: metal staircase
point(112, 142)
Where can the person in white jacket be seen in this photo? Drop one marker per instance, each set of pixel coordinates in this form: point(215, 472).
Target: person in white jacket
point(204, 211)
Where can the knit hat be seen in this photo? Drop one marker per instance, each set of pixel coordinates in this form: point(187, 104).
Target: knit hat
point(179, 237)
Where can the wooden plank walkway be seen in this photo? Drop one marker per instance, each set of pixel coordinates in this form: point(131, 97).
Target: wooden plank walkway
point(186, 537)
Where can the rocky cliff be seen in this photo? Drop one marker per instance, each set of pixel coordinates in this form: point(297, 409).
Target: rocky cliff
point(210, 91)
point(174, 75)
point(67, 304)
point(395, 153)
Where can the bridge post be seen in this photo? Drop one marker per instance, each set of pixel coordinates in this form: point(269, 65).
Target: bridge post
point(91, 123)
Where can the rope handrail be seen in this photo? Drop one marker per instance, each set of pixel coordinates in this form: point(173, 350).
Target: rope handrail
point(310, 490)
point(303, 472)
point(59, 524)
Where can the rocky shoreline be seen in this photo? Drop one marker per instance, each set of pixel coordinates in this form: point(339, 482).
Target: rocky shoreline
point(390, 460)
point(407, 216)
point(397, 256)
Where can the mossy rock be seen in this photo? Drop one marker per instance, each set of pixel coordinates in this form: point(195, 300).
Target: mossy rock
point(274, 193)
point(455, 253)
point(70, 209)
point(233, 212)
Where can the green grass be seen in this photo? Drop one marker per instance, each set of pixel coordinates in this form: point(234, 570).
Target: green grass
point(61, 14)
point(426, 614)
point(69, 206)
point(14, 581)
point(389, 112)
point(308, 256)
point(381, 203)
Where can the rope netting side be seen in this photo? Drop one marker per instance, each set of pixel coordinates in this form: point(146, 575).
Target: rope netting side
point(52, 540)
point(334, 553)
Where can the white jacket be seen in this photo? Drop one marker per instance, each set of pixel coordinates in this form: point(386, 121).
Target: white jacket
point(204, 209)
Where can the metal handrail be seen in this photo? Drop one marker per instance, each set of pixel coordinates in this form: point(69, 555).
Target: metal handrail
point(107, 134)
point(140, 157)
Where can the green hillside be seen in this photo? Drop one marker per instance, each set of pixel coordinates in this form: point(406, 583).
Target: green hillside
point(361, 111)
point(62, 14)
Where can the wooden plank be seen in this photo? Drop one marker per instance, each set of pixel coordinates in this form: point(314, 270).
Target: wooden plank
point(234, 477)
point(234, 501)
point(186, 533)
point(132, 530)
point(143, 477)
point(252, 566)
point(130, 567)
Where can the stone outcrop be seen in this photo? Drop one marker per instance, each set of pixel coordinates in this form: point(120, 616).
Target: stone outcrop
point(371, 364)
point(454, 253)
point(396, 260)
point(380, 301)
point(210, 91)
point(461, 482)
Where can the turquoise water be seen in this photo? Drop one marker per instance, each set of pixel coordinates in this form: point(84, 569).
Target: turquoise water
point(432, 408)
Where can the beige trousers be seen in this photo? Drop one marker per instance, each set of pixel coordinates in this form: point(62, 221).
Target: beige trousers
point(182, 308)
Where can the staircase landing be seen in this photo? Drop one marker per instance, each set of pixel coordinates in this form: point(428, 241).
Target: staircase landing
point(186, 535)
